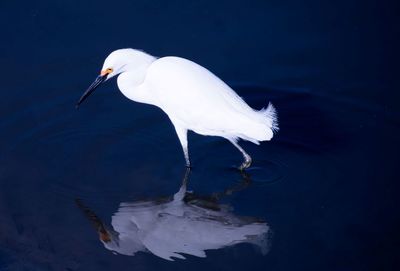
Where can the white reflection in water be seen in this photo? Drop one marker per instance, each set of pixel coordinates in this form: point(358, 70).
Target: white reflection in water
point(184, 224)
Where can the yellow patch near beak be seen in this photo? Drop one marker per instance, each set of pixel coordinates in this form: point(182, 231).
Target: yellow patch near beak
point(105, 72)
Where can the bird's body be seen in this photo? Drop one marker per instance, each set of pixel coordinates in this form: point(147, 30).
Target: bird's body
point(192, 97)
point(184, 224)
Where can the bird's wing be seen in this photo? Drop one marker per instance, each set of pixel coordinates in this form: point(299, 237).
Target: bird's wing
point(193, 96)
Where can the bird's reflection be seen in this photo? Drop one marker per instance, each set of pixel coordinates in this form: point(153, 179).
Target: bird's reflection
point(182, 224)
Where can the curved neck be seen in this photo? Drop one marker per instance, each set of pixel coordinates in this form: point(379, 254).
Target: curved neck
point(130, 80)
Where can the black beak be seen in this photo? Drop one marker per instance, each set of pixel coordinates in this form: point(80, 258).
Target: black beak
point(100, 79)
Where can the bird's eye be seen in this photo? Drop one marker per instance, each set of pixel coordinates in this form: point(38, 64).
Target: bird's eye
point(109, 70)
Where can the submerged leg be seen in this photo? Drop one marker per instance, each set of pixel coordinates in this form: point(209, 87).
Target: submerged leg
point(182, 135)
point(247, 159)
point(180, 195)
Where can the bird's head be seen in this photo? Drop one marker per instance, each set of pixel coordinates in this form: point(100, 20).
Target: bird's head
point(117, 62)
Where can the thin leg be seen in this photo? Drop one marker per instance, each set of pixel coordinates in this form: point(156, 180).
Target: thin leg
point(244, 183)
point(182, 135)
point(180, 195)
point(247, 159)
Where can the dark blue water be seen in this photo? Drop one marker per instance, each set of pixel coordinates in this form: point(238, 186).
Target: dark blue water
point(322, 195)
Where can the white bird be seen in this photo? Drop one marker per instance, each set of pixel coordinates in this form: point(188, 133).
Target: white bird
point(192, 97)
point(184, 224)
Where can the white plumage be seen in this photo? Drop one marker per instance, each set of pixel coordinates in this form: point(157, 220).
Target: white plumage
point(192, 97)
point(182, 225)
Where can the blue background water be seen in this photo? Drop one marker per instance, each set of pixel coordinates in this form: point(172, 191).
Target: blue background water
point(326, 185)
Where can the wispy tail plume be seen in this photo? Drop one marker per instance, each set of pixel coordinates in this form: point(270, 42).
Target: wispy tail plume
point(271, 114)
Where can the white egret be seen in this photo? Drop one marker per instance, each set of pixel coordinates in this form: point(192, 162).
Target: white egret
point(183, 224)
point(192, 97)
